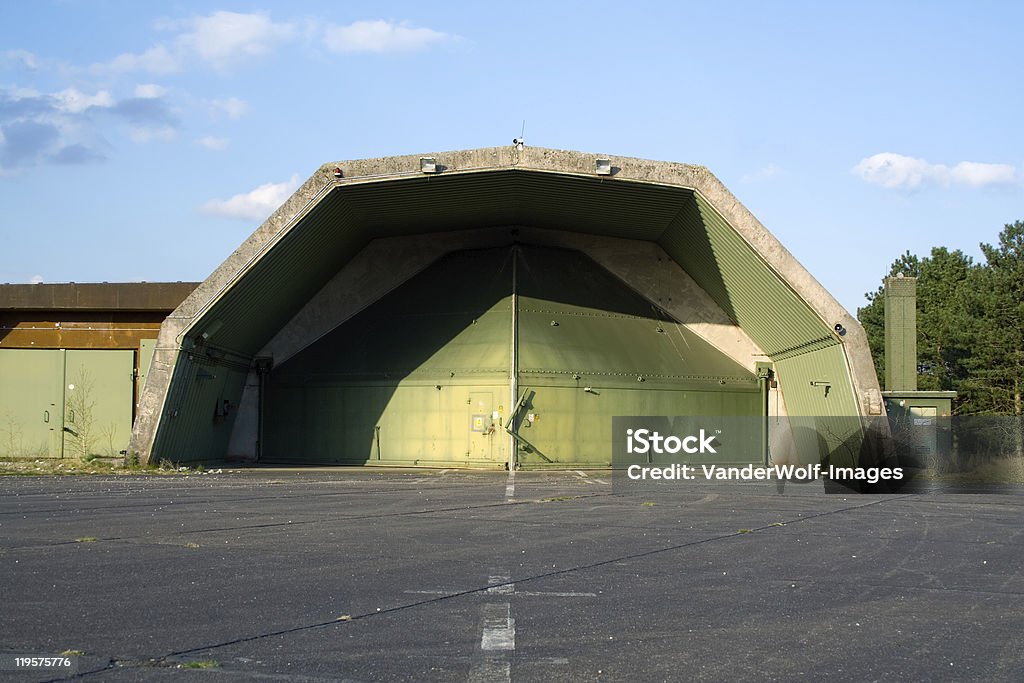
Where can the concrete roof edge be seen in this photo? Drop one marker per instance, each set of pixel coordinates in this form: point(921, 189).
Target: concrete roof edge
point(509, 158)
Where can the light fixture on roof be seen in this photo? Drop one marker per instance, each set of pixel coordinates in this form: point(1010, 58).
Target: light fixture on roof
point(428, 165)
point(603, 167)
point(337, 172)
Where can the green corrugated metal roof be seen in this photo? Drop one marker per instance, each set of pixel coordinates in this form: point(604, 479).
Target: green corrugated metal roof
point(270, 292)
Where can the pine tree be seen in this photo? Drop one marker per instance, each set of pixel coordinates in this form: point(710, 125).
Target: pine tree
point(996, 319)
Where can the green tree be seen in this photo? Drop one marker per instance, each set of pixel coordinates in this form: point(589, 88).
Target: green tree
point(995, 301)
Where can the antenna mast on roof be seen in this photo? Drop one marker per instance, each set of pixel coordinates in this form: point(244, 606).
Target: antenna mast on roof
point(519, 142)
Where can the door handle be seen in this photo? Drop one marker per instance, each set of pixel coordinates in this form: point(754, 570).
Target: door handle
point(46, 416)
point(71, 416)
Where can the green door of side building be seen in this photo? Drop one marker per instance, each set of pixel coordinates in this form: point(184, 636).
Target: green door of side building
point(541, 341)
point(65, 403)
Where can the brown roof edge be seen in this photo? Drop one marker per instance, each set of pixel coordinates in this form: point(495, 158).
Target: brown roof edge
point(99, 296)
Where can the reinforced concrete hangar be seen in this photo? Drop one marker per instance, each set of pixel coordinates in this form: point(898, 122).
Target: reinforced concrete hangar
point(494, 306)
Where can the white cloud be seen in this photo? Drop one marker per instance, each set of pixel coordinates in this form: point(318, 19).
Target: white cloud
point(232, 107)
point(72, 101)
point(254, 205)
point(144, 134)
point(380, 36)
point(222, 40)
point(975, 174)
point(157, 59)
point(149, 91)
point(70, 126)
point(898, 171)
point(20, 58)
point(213, 143)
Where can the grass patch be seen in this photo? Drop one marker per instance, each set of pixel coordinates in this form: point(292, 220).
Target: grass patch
point(558, 499)
point(86, 539)
point(93, 465)
point(72, 653)
point(743, 531)
point(648, 504)
point(191, 546)
point(201, 664)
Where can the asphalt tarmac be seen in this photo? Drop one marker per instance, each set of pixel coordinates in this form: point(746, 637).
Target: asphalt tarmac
point(369, 575)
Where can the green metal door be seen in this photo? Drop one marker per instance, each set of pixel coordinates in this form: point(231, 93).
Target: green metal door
point(98, 386)
point(483, 425)
point(58, 403)
point(31, 403)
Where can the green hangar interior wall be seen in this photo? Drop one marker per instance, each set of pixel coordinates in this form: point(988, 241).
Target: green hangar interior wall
point(423, 376)
point(365, 387)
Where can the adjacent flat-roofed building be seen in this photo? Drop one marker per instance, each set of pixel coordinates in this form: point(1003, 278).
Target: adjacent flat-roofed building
point(73, 359)
point(498, 307)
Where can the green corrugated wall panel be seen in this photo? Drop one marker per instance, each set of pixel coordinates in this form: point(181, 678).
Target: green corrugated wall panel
point(741, 283)
point(803, 380)
point(547, 200)
point(595, 206)
point(31, 402)
point(273, 291)
point(193, 428)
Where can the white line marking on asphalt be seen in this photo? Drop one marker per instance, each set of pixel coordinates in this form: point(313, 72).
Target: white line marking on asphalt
point(507, 590)
point(501, 583)
point(499, 628)
point(510, 487)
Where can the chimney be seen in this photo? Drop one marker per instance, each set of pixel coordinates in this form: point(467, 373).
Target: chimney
point(901, 333)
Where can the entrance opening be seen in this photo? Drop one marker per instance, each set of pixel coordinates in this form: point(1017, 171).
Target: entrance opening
point(425, 376)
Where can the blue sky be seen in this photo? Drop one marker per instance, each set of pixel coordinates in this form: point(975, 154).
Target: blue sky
point(145, 141)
